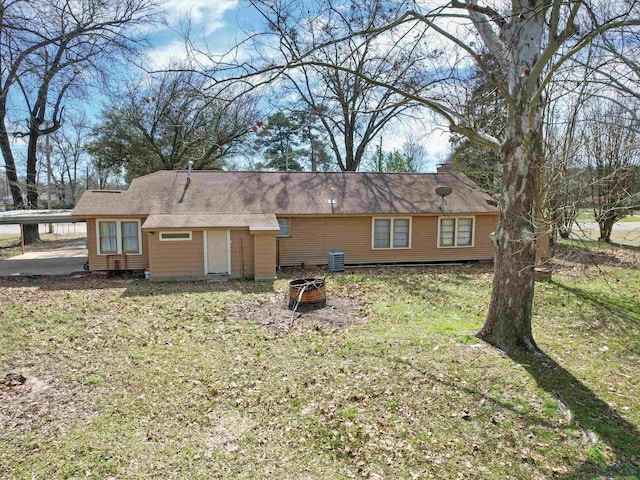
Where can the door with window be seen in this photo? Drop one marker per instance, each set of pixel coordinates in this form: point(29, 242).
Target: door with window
point(217, 252)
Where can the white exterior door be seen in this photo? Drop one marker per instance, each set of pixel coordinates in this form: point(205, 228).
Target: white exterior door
point(217, 251)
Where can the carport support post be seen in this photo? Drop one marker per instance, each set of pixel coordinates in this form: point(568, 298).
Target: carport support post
point(22, 237)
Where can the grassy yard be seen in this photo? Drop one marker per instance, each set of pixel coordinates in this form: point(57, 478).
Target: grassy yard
point(129, 379)
point(587, 216)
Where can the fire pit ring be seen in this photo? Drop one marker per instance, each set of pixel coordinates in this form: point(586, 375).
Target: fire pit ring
point(307, 291)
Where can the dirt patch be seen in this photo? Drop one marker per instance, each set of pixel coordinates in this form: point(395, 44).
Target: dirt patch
point(274, 314)
point(30, 403)
point(25, 400)
point(228, 432)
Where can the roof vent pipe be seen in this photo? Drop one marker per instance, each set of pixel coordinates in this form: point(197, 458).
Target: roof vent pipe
point(189, 172)
point(332, 200)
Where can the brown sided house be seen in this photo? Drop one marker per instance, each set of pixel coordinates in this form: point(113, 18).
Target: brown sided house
point(183, 225)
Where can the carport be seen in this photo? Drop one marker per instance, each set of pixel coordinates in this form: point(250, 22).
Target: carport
point(62, 261)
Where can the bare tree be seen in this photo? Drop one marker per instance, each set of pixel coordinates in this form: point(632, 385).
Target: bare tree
point(69, 157)
point(411, 158)
point(530, 40)
point(351, 111)
point(563, 190)
point(415, 154)
point(165, 120)
point(48, 49)
point(612, 144)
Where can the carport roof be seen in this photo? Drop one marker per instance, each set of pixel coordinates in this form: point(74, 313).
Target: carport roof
point(24, 217)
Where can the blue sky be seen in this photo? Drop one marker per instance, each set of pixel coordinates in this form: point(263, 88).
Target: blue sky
point(221, 24)
point(218, 23)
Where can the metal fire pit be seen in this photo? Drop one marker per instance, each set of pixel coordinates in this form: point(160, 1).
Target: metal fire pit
point(308, 292)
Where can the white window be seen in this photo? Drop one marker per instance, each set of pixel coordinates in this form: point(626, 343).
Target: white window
point(455, 232)
point(108, 234)
point(175, 236)
point(391, 233)
point(130, 239)
point(284, 227)
point(118, 237)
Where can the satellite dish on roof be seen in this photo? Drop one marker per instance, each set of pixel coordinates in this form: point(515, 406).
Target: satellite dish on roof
point(443, 190)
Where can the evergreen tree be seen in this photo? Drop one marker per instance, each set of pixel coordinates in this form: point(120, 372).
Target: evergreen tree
point(279, 144)
point(485, 110)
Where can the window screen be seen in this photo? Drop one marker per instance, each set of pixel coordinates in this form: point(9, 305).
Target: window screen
point(108, 237)
point(382, 228)
point(447, 228)
point(401, 233)
point(130, 241)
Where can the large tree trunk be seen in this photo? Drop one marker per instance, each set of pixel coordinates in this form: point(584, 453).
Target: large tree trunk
point(9, 162)
point(508, 322)
point(31, 234)
point(606, 228)
point(349, 157)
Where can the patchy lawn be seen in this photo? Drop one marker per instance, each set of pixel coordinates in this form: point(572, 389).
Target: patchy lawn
point(107, 378)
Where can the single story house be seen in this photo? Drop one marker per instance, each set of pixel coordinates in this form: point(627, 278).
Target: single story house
point(193, 225)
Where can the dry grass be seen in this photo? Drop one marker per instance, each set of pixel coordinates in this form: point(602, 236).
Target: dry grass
point(127, 379)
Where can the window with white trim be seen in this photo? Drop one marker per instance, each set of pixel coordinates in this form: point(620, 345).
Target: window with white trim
point(390, 233)
point(455, 232)
point(175, 236)
point(107, 231)
point(130, 239)
point(284, 227)
point(119, 237)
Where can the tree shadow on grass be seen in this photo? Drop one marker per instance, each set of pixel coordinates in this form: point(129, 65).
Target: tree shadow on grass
point(599, 423)
point(623, 310)
point(593, 253)
point(592, 416)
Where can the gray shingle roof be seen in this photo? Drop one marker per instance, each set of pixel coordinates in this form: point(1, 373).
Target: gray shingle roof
point(287, 193)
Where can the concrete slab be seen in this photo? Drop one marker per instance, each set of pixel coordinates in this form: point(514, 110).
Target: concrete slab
point(62, 261)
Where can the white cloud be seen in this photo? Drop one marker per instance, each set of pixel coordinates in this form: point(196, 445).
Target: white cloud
point(175, 52)
point(205, 15)
point(163, 55)
point(425, 129)
point(167, 54)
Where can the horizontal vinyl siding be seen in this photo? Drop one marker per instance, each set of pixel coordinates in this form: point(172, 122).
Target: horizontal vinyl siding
point(178, 258)
point(126, 262)
point(241, 254)
point(264, 256)
point(312, 238)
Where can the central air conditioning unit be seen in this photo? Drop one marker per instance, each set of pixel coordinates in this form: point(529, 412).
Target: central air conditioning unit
point(336, 261)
